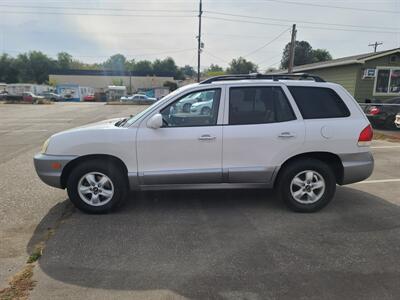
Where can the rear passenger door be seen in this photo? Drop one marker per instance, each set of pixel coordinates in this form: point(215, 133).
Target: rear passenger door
point(260, 130)
point(327, 120)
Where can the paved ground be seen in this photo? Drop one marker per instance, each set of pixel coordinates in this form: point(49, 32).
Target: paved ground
point(194, 245)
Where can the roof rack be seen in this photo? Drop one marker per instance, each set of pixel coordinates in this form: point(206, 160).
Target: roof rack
point(274, 77)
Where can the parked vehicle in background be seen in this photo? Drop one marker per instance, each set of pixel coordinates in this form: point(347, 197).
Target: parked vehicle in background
point(89, 98)
point(397, 121)
point(186, 104)
point(202, 108)
point(3, 95)
point(31, 97)
point(137, 97)
point(300, 137)
point(383, 114)
point(52, 96)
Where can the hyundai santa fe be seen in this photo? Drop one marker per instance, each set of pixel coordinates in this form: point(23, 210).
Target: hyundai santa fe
point(294, 133)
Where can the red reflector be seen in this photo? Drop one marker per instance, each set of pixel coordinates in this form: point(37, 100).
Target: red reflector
point(365, 137)
point(56, 166)
point(374, 110)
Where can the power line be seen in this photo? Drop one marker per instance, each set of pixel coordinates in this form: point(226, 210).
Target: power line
point(267, 44)
point(298, 21)
point(94, 8)
point(334, 6)
point(95, 15)
point(308, 27)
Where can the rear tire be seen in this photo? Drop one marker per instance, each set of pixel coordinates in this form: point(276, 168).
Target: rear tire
point(97, 187)
point(389, 123)
point(306, 185)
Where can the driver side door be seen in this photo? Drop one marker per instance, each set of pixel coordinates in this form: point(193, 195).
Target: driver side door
point(188, 148)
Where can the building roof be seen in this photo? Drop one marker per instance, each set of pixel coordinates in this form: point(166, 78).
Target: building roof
point(349, 60)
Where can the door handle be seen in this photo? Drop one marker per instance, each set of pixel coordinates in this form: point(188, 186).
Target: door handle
point(286, 135)
point(207, 137)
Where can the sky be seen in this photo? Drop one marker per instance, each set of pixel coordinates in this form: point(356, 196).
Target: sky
point(258, 30)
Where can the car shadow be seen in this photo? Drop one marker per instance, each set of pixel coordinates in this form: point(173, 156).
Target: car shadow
point(230, 245)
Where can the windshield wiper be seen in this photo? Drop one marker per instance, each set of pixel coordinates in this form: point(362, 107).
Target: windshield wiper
point(121, 122)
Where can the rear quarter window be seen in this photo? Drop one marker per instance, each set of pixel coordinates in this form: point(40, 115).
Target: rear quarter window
point(318, 102)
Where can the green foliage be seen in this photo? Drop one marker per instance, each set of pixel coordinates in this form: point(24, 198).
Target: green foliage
point(35, 66)
point(188, 71)
point(171, 85)
point(241, 66)
point(118, 82)
point(304, 54)
point(215, 68)
point(116, 62)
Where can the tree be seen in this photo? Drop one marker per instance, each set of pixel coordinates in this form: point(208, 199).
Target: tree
point(167, 67)
point(34, 67)
point(8, 70)
point(115, 62)
point(215, 68)
point(241, 66)
point(304, 54)
point(171, 85)
point(188, 71)
point(143, 68)
point(118, 82)
point(64, 60)
point(321, 55)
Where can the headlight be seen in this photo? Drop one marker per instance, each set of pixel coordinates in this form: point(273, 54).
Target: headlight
point(45, 145)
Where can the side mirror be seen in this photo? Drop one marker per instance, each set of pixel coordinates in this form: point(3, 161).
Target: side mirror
point(155, 121)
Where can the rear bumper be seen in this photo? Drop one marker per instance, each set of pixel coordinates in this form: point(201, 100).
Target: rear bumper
point(44, 166)
point(356, 166)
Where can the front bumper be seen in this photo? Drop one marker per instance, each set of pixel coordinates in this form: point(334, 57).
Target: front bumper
point(356, 166)
point(44, 165)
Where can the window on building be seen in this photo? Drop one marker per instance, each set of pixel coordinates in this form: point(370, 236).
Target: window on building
point(387, 81)
point(258, 105)
point(318, 103)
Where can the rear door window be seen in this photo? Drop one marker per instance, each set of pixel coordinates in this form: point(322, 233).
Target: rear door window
point(318, 102)
point(258, 105)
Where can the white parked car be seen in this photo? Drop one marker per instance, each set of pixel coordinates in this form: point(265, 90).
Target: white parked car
point(137, 97)
point(300, 137)
point(397, 120)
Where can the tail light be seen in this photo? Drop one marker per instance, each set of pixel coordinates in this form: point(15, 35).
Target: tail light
point(365, 137)
point(374, 110)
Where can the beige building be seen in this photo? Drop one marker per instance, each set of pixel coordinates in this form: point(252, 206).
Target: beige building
point(100, 80)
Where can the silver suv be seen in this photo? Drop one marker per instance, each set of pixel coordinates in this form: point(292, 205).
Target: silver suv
point(295, 133)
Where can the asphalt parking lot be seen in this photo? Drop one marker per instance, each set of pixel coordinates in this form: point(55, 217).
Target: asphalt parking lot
point(192, 245)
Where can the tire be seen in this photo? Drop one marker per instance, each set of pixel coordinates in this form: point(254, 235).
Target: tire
point(110, 195)
point(205, 111)
point(300, 197)
point(186, 107)
point(389, 123)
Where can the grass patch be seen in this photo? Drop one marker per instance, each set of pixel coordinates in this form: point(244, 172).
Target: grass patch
point(20, 285)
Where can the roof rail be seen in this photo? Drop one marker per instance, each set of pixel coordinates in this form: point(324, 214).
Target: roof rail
point(274, 77)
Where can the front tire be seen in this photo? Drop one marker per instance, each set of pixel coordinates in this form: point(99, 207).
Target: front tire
point(306, 185)
point(97, 187)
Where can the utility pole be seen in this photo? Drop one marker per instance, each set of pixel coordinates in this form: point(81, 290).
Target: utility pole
point(375, 45)
point(199, 43)
point(292, 49)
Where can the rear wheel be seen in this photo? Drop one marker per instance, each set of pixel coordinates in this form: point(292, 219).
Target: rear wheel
point(389, 123)
point(97, 187)
point(306, 185)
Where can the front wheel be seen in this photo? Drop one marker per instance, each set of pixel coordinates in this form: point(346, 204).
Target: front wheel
point(306, 185)
point(97, 187)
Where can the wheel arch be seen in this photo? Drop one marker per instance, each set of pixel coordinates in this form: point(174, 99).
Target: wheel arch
point(81, 159)
point(331, 159)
